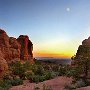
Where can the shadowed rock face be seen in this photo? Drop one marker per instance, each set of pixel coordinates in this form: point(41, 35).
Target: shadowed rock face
point(84, 48)
point(14, 49)
point(83, 51)
point(86, 41)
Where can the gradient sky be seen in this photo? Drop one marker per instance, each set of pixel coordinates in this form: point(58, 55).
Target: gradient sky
point(56, 27)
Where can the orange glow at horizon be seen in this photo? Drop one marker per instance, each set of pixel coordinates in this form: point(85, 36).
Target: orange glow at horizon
point(63, 48)
point(55, 55)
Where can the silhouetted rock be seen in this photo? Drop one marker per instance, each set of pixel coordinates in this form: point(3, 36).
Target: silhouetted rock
point(86, 41)
point(82, 52)
point(84, 48)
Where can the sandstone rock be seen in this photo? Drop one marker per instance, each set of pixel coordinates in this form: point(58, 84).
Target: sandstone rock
point(14, 44)
point(4, 43)
point(26, 47)
point(12, 49)
point(3, 65)
point(86, 41)
point(4, 39)
point(83, 51)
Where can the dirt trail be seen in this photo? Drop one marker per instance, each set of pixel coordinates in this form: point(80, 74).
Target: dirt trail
point(56, 84)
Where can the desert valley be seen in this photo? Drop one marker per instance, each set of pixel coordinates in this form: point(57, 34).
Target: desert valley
point(19, 70)
point(44, 44)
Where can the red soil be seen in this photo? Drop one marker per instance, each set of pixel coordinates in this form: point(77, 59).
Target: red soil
point(56, 84)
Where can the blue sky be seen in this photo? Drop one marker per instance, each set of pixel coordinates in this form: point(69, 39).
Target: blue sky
point(56, 27)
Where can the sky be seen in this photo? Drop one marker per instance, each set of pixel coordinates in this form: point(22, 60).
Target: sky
point(55, 27)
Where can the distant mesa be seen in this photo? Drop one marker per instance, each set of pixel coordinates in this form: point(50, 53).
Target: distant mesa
point(12, 49)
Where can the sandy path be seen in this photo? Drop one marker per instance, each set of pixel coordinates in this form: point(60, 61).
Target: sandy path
point(56, 84)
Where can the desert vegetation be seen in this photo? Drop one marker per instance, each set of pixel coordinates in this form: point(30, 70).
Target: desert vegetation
point(38, 72)
point(80, 71)
point(34, 72)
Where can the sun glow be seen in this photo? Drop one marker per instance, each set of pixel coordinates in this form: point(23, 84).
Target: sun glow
point(56, 55)
point(62, 49)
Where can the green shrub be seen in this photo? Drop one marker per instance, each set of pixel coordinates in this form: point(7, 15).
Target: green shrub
point(4, 85)
point(46, 87)
point(36, 88)
point(27, 66)
point(37, 62)
point(28, 75)
point(49, 75)
point(6, 77)
point(55, 68)
point(42, 78)
point(16, 81)
point(88, 83)
point(17, 68)
point(74, 72)
point(38, 70)
point(62, 71)
point(36, 78)
point(80, 83)
point(46, 67)
point(70, 87)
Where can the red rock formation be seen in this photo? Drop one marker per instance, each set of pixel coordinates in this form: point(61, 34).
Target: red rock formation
point(83, 51)
point(9, 46)
point(13, 49)
point(86, 41)
point(3, 65)
point(4, 39)
point(26, 47)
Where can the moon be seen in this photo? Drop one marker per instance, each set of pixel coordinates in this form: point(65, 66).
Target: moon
point(68, 9)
